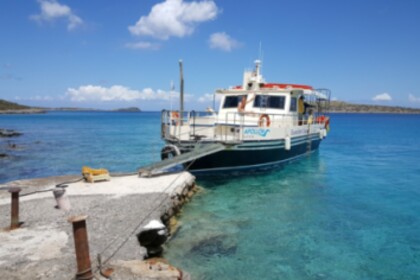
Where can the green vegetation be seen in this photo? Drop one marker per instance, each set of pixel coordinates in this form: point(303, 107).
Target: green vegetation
point(344, 107)
point(6, 105)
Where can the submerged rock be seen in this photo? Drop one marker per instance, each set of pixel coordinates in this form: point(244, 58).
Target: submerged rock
point(9, 133)
point(215, 245)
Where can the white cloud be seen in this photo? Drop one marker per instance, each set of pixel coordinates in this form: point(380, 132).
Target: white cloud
point(51, 10)
point(382, 97)
point(114, 93)
point(174, 18)
point(143, 46)
point(413, 98)
point(36, 98)
point(223, 41)
point(208, 97)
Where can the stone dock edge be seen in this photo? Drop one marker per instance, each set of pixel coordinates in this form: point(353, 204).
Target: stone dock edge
point(43, 247)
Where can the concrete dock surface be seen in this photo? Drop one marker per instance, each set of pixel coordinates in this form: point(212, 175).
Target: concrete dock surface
point(43, 246)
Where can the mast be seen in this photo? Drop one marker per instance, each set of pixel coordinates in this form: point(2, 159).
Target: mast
point(181, 89)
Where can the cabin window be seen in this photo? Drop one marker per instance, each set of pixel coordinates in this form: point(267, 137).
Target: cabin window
point(293, 104)
point(269, 102)
point(232, 101)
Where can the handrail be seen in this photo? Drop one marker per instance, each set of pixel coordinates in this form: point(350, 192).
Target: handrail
point(231, 124)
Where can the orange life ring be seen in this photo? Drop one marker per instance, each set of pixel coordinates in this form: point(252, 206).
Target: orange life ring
point(175, 117)
point(324, 120)
point(261, 120)
point(320, 119)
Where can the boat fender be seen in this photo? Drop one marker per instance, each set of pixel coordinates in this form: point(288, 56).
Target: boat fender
point(169, 151)
point(287, 143)
point(327, 125)
point(321, 133)
point(264, 121)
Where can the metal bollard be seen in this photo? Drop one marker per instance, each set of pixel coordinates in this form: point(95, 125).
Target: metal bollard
point(61, 199)
point(84, 270)
point(15, 208)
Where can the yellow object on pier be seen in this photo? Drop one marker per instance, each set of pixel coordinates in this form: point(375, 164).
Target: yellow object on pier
point(92, 175)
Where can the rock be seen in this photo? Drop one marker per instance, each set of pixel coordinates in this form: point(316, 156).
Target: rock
point(216, 245)
point(11, 145)
point(3, 156)
point(156, 268)
point(9, 133)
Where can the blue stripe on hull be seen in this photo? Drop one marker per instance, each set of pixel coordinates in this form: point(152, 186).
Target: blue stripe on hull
point(241, 159)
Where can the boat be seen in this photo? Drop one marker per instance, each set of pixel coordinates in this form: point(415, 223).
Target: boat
point(258, 125)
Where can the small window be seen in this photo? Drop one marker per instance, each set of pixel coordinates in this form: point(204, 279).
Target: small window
point(232, 101)
point(293, 104)
point(269, 102)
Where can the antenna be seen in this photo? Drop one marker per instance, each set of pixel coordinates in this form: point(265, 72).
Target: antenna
point(170, 93)
point(181, 89)
point(261, 55)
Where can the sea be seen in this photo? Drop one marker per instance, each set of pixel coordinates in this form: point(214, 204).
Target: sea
point(348, 211)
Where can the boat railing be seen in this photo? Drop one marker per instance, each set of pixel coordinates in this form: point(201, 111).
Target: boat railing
point(191, 125)
point(228, 127)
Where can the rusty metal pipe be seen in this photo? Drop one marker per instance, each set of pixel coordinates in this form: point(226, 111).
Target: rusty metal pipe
point(14, 224)
point(84, 269)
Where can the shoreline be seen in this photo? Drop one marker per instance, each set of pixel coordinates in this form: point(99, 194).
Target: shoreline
point(116, 210)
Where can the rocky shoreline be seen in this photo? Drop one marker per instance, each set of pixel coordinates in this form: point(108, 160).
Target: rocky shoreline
point(23, 111)
point(43, 246)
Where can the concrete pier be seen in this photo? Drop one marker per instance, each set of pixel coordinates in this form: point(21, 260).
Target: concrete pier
point(43, 246)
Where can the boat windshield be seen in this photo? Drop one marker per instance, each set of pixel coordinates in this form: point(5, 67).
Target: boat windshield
point(232, 101)
point(269, 102)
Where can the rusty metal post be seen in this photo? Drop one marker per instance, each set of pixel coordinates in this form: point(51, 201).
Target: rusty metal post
point(15, 208)
point(84, 269)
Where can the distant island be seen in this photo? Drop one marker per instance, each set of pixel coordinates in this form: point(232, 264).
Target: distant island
point(129, 109)
point(7, 107)
point(344, 107)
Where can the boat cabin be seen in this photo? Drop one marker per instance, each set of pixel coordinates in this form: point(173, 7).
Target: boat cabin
point(254, 104)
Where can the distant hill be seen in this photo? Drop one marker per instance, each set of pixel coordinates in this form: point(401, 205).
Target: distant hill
point(129, 109)
point(6, 105)
point(344, 107)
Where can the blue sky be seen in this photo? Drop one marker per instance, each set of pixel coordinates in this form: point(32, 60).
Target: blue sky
point(111, 54)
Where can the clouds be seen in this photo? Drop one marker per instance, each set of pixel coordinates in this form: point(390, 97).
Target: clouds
point(95, 93)
point(382, 97)
point(52, 10)
point(174, 18)
point(143, 46)
point(223, 41)
point(170, 18)
point(114, 93)
point(413, 99)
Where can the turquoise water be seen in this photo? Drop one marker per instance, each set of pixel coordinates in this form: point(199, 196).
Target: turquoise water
point(61, 143)
point(349, 211)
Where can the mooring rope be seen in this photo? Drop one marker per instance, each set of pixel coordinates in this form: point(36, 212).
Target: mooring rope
point(140, 223)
